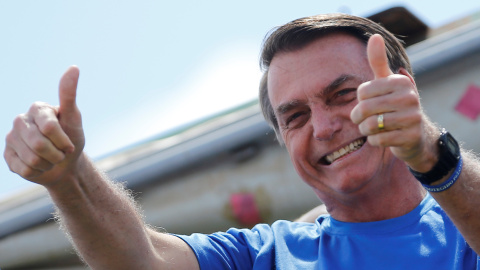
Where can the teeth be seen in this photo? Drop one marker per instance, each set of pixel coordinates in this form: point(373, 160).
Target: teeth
point(345, 150)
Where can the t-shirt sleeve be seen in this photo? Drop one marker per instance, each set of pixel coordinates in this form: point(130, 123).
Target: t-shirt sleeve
point(234, 249)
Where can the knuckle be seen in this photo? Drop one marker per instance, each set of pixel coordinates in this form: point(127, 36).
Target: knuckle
point(412, 97)
point(362, 89)
point(7, 155)
point(37, 105)
point(38, 145)
point(19, 121)
point(365, 128)
point(48, 128)
point(361, 129)
point(27, 172)
point(417, 117)
point(34, 108)
point(401, 79)
point(361, 110)
point(23, 171)
point(397, 78)
point(10, 138)
point(34, 161)
point(17, 166)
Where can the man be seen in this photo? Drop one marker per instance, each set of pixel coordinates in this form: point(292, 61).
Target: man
point(350, 117)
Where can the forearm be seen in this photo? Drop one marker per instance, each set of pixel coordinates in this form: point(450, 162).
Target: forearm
point(462, 201)
point(45, 146)
point(102, 220)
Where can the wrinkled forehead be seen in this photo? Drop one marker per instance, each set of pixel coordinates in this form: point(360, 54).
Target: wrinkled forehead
point(315, 66)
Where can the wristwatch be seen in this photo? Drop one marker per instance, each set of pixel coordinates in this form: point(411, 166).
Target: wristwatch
point(448, 157)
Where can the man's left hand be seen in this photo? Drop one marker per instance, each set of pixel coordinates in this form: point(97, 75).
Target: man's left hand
point(406, 129)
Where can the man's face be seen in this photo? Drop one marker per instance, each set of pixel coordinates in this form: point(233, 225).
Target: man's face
point(312, 91)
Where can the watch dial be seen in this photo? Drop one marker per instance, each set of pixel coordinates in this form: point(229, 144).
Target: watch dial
point(452, 145)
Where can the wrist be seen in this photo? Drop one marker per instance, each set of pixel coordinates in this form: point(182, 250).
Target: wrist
point(69, 176)
point(448, 159)
point(444, 185)
point(426, 159)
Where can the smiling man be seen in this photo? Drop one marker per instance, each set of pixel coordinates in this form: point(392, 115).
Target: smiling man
point(345, 105)
point(313, 91)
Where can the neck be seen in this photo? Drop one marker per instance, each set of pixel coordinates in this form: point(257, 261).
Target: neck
point(389, 198)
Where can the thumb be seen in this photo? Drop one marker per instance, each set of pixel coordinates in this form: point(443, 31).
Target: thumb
point(377, 57)
point(67, 91)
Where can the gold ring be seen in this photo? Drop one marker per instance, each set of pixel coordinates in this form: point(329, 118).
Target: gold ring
point(381, 125)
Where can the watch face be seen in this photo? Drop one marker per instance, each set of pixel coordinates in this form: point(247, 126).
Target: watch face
point(451, 144)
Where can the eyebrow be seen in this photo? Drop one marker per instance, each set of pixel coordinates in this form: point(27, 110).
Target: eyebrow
point(335, 84)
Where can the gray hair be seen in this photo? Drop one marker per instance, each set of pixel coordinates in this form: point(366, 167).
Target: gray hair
point(298, 33)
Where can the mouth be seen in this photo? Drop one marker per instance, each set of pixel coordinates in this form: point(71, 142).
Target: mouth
point(347, 149)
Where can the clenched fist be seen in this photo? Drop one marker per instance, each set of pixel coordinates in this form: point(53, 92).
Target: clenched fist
point(389, 112)
point(46, 142)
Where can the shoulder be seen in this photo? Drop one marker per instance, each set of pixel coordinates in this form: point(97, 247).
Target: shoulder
point(271, 233)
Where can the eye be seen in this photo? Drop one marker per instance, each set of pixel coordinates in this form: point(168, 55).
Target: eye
point(296, 119)
point(344, 92)
point(343, 96)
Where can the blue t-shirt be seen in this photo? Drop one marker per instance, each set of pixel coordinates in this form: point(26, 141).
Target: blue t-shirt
point(423, 239)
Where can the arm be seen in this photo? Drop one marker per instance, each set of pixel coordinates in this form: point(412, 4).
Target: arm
point(412, 137)
point(46, 147)
point(462, 200)
point(106, 227)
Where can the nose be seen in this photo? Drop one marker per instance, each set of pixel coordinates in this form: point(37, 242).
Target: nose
point(325, 124)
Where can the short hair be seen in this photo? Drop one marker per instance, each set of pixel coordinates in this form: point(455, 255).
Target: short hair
point(297, 34)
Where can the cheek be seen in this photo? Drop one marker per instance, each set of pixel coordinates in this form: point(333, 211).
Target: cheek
point(297, 147)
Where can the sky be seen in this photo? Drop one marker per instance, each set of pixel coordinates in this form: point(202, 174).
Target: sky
point(149, 66)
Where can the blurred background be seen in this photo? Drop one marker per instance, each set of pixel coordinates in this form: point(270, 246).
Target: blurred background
point(149, 66)
point(168, 94)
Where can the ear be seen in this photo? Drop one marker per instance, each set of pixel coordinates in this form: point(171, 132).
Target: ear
point(404, 72)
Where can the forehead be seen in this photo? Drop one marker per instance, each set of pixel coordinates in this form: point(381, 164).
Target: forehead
point(315, 66)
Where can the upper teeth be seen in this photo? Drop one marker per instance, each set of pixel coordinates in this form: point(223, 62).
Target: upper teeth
point(345, 150)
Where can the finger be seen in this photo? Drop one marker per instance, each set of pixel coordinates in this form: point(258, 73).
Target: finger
point(41, 145)
point(43, 121)
point(380, 87)
point(402, 120)
point(382, 98)
point(371, 125)
point(373, 106)
point(16, 165)
point(386, 139)
point(68, 91)
point(377, 57)
point(29, 157)
point(26, 135)
point(394, 138)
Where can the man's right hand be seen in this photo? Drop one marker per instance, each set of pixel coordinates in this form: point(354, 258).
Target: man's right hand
point(46, 142)
point(45, 146)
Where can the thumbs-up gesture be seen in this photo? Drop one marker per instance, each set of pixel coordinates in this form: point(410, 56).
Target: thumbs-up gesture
point(389, 112)
point(45, 143)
